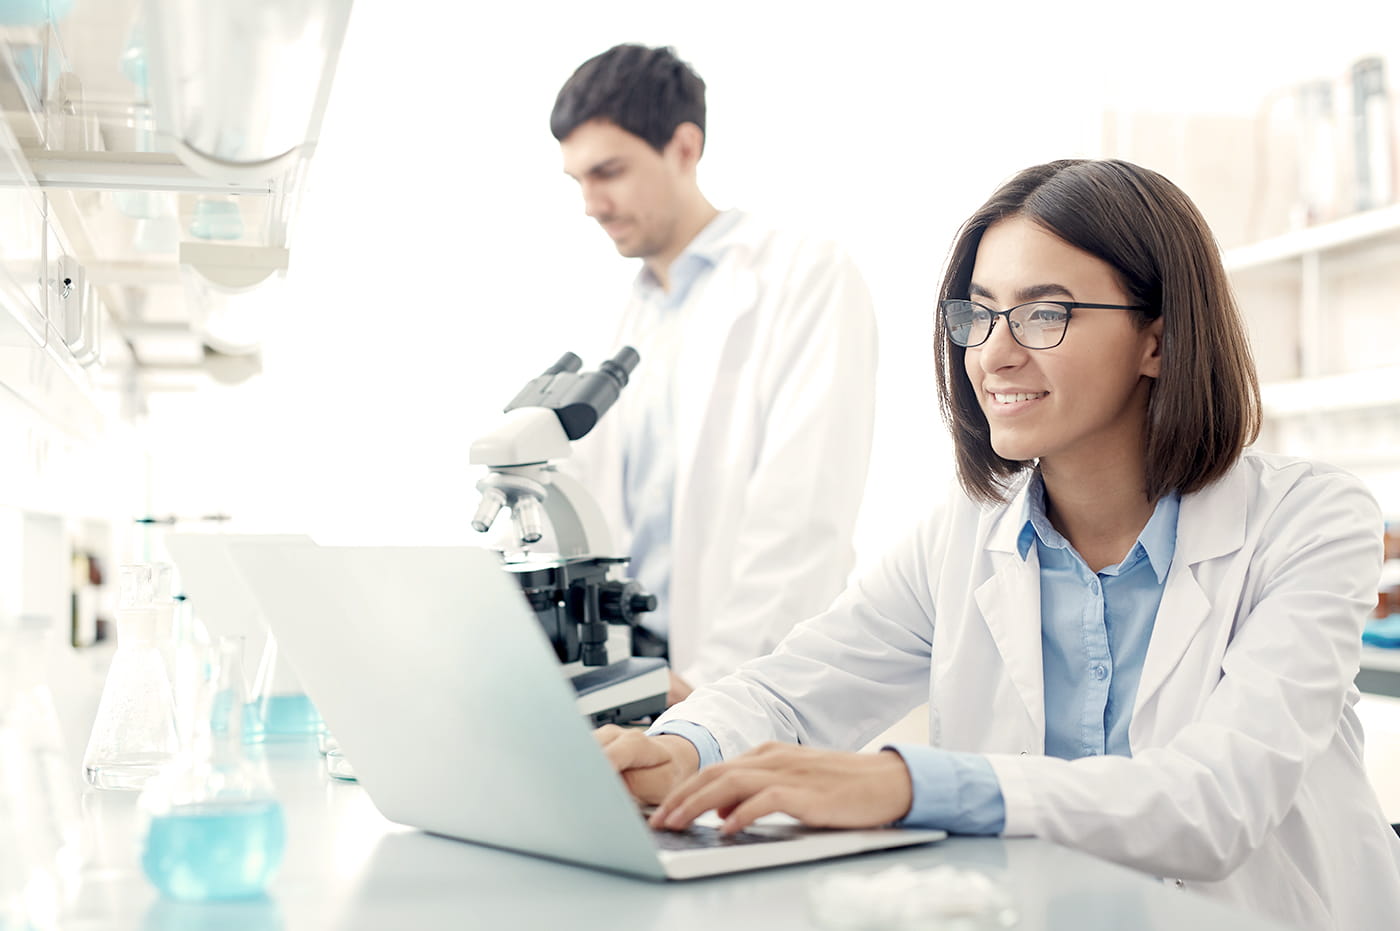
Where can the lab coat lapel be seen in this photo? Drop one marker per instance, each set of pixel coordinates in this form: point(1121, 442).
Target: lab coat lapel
point(1009, 599)
point(729, 294)
point(1210, 524)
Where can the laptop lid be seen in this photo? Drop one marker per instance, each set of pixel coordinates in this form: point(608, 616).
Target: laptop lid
point(435, 677)
point(209, 578)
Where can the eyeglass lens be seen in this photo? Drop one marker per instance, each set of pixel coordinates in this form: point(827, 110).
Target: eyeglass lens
point(1035, 325)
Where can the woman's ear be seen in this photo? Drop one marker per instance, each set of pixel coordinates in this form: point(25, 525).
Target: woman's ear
point(1152, 349)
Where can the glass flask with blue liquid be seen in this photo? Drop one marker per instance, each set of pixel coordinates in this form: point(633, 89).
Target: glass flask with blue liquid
point(279, 705)
point(216, 831)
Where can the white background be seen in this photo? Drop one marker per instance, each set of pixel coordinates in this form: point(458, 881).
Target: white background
point(441, 258)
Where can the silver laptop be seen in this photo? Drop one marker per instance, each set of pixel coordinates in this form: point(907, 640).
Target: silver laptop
point(216, 590)
point(444, 693)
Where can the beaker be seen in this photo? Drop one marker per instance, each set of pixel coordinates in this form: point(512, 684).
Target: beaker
point(215, 830)
point(134, 733)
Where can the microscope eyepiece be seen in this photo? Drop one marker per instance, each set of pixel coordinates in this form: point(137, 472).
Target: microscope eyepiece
point(621, 365)
point(578, 398)
point(568, 362)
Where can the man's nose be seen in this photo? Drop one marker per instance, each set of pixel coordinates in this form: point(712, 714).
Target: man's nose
point(594, 203)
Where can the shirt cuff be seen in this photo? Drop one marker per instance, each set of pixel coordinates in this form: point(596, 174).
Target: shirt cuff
point(957, 792)
point(700, 736)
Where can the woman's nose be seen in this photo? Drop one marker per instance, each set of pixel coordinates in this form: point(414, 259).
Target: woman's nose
point(1000, 351)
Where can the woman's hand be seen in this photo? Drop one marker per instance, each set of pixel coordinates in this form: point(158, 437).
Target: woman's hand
point(820, 788)
point(650, 766)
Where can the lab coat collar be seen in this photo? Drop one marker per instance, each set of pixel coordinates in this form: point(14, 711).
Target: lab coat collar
point(1210, 525)
point(713, 311)
point(1009, 599)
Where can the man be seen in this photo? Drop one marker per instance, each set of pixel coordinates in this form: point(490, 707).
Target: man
point(735, 463)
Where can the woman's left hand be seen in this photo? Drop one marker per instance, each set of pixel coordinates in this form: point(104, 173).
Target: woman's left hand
point(820, 788)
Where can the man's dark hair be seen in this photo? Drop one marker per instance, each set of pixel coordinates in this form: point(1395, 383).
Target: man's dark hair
point(646, 91)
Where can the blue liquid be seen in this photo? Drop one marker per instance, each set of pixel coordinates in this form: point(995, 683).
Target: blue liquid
point(290, 716)
point(254, 731)
point(215, 851)
point(280, 717)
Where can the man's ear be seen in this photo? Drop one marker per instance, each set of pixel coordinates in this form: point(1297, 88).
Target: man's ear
point(686, 145)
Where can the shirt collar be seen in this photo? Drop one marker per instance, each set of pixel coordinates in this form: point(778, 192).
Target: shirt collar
point(702, 252)
point(1158, 538)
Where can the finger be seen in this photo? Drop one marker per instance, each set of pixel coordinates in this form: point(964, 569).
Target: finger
point(766, 802)
point(608, 733)
point(685, 788)
point(635, 751)
point(727, 791)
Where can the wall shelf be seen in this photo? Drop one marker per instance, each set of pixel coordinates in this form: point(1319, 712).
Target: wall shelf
point(1357, 229)
point(1367, 389)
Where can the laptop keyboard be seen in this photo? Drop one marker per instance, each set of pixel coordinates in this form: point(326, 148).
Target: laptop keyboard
point(703, 837)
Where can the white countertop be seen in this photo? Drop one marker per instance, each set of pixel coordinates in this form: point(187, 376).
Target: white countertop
point(347, 867)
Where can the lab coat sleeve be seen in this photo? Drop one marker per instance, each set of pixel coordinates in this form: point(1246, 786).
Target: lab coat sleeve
point(839, 679)
point(791, 552)
point(1199, 805)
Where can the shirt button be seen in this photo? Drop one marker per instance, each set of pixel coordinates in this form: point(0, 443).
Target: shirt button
point(1100, 671)
point(1180, 883)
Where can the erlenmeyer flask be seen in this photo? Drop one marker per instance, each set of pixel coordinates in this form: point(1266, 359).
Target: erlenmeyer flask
point(134, 734)
point(280, 703)
point(215, 831)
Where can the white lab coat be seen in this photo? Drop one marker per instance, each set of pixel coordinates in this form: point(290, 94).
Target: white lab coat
point(1246, 781)
point(775, 397)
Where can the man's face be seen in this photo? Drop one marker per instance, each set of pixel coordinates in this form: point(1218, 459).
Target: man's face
point(632, 190)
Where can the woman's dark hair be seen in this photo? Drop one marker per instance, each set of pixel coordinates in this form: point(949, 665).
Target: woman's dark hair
point(646, 91)
point(1204, 408)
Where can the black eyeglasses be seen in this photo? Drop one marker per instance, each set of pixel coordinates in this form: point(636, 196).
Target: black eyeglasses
point(1036, 325)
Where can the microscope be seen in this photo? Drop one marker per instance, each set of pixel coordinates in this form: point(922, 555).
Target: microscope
point(583, 601)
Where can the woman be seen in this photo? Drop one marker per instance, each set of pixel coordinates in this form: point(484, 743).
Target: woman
point(1135, 638)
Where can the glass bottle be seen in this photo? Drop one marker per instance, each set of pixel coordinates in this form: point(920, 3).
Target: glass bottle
point(215, 830)
point(134, 733)
point(40, 854)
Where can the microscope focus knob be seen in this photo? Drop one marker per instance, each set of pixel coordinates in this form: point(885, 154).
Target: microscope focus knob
point(621, 602)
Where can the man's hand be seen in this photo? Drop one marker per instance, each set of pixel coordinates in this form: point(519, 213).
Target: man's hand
point(650, 766)
point(821, 788)
point(680, 689)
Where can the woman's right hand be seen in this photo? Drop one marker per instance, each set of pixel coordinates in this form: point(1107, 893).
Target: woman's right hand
point(650, 766)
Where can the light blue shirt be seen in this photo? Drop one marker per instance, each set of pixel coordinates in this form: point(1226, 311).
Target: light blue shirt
point(649, 448)
point(1095, 628)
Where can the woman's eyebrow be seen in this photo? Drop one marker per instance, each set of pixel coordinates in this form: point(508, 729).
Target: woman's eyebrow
point(1029, 293)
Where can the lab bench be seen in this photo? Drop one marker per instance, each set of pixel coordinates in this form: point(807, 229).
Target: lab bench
point(1380, 671)
point(347, 867)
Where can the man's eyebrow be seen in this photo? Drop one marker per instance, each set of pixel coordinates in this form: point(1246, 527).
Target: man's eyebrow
point(602, 167)
point(605, 166)
point(1029, 293)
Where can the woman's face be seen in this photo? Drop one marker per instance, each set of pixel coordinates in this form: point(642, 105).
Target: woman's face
point(1084, 402)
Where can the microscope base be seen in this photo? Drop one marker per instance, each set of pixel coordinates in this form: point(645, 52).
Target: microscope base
point(623, 691)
